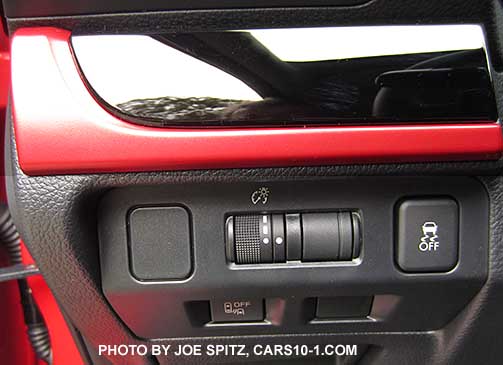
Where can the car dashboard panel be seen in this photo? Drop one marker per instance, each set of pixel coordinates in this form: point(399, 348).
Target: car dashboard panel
point(260, 183)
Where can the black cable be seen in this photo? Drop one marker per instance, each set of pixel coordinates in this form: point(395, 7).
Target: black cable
point(36, 328)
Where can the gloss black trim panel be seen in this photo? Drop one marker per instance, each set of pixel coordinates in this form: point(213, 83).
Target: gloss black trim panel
point(274, 90)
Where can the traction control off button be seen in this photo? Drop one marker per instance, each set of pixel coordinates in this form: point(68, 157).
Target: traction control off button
point(427, 235)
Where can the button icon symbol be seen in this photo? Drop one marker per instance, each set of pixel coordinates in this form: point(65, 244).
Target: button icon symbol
point(429, 240)
point(236, 308)
point(260, 195)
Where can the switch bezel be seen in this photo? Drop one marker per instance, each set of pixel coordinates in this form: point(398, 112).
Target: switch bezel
point(408, 256)
point(403, 301)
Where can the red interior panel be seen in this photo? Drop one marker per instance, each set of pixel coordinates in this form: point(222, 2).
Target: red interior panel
point(14, 344)
point(60, 128)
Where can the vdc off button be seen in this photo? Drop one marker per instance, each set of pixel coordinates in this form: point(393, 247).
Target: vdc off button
point(427, 235)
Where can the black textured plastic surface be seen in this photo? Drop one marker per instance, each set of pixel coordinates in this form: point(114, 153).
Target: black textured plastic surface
point(26, 8)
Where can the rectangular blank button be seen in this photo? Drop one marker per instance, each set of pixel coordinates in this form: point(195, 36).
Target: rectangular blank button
point(343, 307)
point(160, 243)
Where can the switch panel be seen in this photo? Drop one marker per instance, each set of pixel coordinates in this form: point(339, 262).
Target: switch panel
point(306, 237)
point(203, 245)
